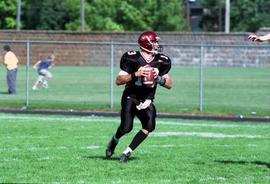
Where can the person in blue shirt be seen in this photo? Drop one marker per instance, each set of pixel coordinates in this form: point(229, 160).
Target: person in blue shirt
point(44, 74)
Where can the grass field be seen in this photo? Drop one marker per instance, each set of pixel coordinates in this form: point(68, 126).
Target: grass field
point(58, 149)
point(226, 90)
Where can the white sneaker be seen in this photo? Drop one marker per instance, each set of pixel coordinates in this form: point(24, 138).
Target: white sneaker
point(45, 84)
point(34, 88)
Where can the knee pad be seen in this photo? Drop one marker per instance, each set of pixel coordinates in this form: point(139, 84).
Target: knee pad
point(126, 129)
point(150, 129)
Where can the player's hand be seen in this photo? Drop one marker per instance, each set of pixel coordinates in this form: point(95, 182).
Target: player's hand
point(156, 72)
point(254, 38)
point(142, 71)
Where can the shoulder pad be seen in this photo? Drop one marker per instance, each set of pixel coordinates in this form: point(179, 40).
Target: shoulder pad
point(164, 57)
point(131, 53)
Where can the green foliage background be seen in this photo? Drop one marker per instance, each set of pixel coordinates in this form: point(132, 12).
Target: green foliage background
point(100, 15)
point(130, 15)
point(245, 15)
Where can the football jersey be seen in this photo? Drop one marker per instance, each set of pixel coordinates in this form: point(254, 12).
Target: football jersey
point(131, 61)
point(44, 64)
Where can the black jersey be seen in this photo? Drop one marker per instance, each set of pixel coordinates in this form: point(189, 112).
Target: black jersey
point(131, 61)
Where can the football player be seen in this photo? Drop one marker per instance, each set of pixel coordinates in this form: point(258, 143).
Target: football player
point(137, 99)
point(44, 74)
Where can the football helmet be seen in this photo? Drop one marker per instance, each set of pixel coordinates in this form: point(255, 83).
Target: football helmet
point(148, 42)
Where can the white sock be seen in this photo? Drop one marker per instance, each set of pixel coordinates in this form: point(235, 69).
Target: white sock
point(128, 150)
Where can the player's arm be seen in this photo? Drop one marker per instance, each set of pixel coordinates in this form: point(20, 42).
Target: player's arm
point(165, 81)
point(36, 64)
point(124, 77)
point(51, 65)
point(254, 37)
point(265, 37)
point(163, 78)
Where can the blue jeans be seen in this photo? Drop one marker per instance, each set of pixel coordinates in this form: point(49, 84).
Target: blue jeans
point(11, 80)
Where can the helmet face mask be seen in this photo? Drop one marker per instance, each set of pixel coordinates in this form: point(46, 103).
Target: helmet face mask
point(148, 42)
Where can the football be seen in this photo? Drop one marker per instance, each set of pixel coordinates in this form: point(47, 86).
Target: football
point(149, 79)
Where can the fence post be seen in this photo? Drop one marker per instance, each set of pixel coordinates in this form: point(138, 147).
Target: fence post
point(111, 75)
point(201, 77)
point(27, 76)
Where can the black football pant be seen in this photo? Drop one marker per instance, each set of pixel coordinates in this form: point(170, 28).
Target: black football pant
point(129, 111)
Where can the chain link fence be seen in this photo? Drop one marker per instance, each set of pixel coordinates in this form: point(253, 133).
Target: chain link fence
point(207, 77)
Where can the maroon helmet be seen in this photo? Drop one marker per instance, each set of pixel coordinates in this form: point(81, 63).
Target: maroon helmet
point(148, 42)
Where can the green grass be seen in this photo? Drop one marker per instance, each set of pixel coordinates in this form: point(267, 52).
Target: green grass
point(226, 90)
point(58, 149)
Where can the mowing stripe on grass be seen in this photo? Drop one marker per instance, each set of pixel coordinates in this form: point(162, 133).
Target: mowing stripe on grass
point(205, 134)
point(54, 119)
point(209, 178)
point(197, 145)
point(94, 147)
point(34, 149)
point(116, 120)
point(212, 125)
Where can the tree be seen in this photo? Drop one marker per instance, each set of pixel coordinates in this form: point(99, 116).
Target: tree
point(73, 20)
point(47, 14)
point(100, 15)
point(53, 15)
point(213, 16)
point(249, 15)
point(130, 15)
point(246, 15)
point(31, 15)
point(126, 15)
point(159, 15)
point(8, 12)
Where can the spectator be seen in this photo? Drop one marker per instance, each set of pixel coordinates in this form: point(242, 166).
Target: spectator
point(11, 62)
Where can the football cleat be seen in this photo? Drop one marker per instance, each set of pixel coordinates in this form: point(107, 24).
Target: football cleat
point(124, 157)
point(45, 84)
point(110, 148)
